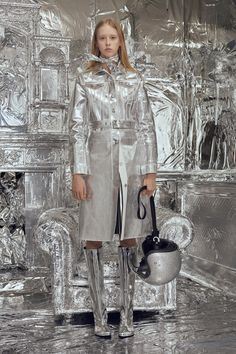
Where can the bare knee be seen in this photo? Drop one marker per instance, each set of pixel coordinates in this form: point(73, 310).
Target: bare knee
point(131, 242)
point(93, 244)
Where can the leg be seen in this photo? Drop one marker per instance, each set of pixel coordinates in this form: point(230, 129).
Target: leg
point(130, 242)
point(93, 244)
point(93, 256)
point(127, 281)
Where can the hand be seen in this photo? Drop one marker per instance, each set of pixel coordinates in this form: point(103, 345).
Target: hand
point(150, 182)
point(79, 189)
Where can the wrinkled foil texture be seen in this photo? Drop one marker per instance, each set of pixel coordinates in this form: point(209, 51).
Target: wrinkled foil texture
point(57, 232)
point(12, 221)
point(203, 323)
point(186, 51)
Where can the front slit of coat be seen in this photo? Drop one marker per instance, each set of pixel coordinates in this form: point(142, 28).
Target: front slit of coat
point(118, 226)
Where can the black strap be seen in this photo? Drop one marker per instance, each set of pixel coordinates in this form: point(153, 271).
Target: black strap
point(155, 231)
point(140, 202)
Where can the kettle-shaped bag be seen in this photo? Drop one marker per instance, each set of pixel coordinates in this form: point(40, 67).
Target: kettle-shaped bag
point(161, 260)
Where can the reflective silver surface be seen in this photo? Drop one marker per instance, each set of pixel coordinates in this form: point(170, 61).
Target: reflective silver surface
point(94, 262)
point(57, 235)
point(114, 143)
point(164, 267)
point(186, 50)
point(12, 220)
point(204, 323)
point(127, 286)
point(13, 74)
point(33, 97)
point(210, 257)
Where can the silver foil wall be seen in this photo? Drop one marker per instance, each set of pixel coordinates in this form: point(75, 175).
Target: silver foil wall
point(186, 50)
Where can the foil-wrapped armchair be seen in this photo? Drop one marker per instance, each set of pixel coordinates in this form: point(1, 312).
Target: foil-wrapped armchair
point(57, 234)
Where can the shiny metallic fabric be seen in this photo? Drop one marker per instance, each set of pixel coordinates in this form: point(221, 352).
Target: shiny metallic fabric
point(114, 146)
point(127, 282)
point(96, 286)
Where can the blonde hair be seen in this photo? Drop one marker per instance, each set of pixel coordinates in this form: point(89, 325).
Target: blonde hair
point(122, 52)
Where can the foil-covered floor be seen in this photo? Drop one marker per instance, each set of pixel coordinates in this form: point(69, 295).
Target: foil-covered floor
point(204, 322)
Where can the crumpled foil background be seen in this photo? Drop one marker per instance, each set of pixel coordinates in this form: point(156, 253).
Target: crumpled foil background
point(186, 51)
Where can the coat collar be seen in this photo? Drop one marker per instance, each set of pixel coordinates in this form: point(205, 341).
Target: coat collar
point(113, 63)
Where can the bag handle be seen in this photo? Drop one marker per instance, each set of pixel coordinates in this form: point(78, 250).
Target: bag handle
point(155, 232)
point(140, 202)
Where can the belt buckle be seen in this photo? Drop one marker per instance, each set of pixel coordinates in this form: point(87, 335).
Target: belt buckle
point(114, 124)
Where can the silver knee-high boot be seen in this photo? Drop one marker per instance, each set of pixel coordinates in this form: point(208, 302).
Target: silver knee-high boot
point(127, 281)
point(96, 286)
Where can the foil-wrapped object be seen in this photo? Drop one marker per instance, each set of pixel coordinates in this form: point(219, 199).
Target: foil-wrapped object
point(185, 50)
point(12, 222)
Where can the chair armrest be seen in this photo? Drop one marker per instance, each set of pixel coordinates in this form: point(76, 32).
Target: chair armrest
point(57, 234)
point(174, 226)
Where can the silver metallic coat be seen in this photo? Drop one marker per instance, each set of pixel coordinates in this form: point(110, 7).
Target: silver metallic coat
point(114, 146)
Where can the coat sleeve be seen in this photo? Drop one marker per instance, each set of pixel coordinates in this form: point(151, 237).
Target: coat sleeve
point(147, 143)
point(79, 120)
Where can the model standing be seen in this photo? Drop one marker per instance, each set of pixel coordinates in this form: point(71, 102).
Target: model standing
point(114, 154)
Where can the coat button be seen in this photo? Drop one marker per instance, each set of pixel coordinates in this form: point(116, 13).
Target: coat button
point(113, 110)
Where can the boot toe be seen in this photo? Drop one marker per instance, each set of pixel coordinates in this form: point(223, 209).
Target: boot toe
point(125, 332)
point(103, 332)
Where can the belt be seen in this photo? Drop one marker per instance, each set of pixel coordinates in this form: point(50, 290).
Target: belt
point(114, 124)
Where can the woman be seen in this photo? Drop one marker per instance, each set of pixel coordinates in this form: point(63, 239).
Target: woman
point(114, 154)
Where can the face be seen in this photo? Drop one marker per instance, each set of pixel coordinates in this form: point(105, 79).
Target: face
point(108, 41)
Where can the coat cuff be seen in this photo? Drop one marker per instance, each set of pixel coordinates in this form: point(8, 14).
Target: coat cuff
point(80, 169)
point(149, 168)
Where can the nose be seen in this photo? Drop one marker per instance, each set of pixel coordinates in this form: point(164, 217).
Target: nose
point(108, 41)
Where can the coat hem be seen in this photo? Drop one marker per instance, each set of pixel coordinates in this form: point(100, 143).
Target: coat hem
point(111, 239)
